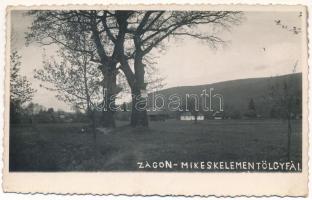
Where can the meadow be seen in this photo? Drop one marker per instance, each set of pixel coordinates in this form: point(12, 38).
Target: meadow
point(65, 147)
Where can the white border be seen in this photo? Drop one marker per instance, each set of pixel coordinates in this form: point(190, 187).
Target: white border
point(94, 2)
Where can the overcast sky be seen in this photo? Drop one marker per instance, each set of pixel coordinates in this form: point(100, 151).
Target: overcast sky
point(256, 48)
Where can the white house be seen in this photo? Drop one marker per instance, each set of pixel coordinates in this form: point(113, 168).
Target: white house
point(217, 115)
point(187, 116)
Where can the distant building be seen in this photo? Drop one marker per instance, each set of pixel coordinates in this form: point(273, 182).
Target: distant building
point(62, 116)
point(188, 116)
point(217, 115)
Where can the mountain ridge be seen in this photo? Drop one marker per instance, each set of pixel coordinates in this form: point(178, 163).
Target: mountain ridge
point(237, 93)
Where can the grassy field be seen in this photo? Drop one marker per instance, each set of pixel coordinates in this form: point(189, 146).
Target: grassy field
point(64, 147)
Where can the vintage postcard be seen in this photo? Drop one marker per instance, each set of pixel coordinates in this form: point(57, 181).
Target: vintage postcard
point(157, 100)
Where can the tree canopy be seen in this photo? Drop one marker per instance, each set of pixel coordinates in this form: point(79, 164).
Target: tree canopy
point(20, 88)
point(123, 40)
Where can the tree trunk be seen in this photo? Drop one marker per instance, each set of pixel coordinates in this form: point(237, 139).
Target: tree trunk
point(109, 92)
point(108, 118)
point(138, 115)
point(109, 71)
point(136, 79)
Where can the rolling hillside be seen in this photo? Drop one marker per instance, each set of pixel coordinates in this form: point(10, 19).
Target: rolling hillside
point(237, 93)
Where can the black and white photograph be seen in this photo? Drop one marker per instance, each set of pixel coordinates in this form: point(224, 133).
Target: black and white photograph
point(156, 90)
point(156, 100)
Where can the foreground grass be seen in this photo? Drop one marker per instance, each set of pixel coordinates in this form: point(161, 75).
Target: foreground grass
point(64, 147)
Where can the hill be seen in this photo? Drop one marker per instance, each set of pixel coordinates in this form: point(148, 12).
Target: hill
point(237, 94)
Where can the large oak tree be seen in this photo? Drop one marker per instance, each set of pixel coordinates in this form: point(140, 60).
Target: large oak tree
point(147, 30)
point(123, 40)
